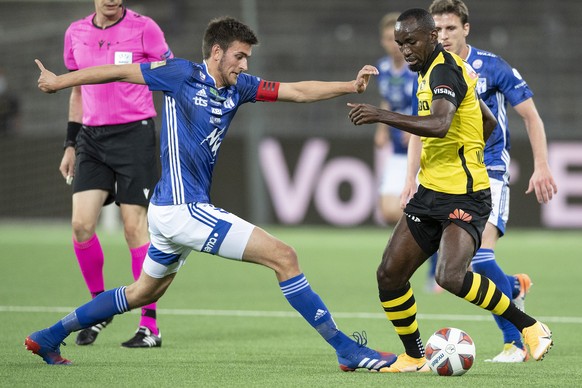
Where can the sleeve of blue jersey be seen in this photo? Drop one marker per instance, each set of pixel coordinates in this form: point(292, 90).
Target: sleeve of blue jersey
point(510, 83)
point(247, 86)
point(166, 75)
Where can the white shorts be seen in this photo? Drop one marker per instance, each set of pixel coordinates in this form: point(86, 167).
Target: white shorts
point(499, 203)
point(394, 174)
point(176, 230)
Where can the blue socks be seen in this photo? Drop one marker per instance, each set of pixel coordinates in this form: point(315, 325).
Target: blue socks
point(102, 307)
point(484, 264)
point(300, 295)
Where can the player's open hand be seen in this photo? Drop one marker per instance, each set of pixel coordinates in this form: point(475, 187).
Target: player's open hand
point(361, 82)
point(47, 80)
point(542, 184)
point(363, 113)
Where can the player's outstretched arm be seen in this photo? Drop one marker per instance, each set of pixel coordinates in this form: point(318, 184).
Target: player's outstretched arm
point(49, 82)
point(310, 91)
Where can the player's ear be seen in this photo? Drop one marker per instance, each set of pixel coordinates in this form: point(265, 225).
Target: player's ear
point(466, 29)
point(216, 52)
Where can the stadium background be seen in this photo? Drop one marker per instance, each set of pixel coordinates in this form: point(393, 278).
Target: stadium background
point(291, 164)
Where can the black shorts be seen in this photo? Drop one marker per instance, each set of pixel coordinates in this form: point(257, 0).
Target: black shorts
point(429, 212)
point(120, 159)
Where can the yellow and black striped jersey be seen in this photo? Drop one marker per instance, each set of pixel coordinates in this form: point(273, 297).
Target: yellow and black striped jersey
point(455, 163)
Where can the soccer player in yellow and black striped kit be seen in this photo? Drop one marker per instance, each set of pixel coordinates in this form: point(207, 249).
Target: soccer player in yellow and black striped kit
point(451, 206)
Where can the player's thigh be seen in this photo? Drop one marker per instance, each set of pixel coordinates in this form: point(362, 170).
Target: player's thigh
point(135, 223)
point(87, 206)
point(265, 249)
point(402, 256)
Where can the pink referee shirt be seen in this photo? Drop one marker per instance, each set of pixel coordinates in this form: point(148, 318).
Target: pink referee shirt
point(134, 38)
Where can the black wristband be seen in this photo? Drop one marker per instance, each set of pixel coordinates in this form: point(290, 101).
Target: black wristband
point(73, 129)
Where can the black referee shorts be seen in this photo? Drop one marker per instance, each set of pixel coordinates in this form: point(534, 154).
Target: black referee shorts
point(429, 212)
point(120, 159)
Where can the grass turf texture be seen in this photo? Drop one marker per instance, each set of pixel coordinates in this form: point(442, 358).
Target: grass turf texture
point(212, 338)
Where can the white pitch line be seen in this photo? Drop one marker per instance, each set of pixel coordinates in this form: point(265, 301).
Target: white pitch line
point(285, 314)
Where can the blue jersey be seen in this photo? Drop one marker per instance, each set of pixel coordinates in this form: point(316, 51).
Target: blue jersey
point(195, 120)
point(498, 84)
point(395, 87)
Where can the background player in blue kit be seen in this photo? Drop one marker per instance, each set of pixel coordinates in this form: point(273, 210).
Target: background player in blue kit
point(498, 85)
point(200, 101)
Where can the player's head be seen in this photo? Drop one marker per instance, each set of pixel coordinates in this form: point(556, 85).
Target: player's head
point(416, 36)
point(226, 46)
point(386, 29)
point(452, 22)
point(224, 32)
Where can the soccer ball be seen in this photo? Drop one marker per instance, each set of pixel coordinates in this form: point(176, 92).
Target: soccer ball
point(450, 352)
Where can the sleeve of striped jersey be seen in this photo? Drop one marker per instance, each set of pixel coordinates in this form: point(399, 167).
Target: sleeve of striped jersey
point(268, 91)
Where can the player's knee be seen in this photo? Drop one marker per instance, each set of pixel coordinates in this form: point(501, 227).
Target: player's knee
point(140, 296)
point(82, 231)
point(288, 257)
point(388, 280)
point(451, 281)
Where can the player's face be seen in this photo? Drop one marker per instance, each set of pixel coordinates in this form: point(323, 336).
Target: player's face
point(108, 8)
point(233, 62)
point(415, 44)
point(388, 43)
point(452, 33)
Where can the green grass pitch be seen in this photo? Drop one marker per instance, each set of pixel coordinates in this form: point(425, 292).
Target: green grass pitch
point(227, 324)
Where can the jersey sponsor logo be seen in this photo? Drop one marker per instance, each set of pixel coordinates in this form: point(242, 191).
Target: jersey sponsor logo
point(214, 94)
point(486, 54)
point(146, 192)
point(229, 103)
point(202, 93)
point(460, 214)
point(215, 239)
point(214, 140)
point(443, 89)
point(155, 65)
point(477, 64)
point(216, 111)
point(199, 101)
point(481, 85)
point(202, 75)
point(215, 120)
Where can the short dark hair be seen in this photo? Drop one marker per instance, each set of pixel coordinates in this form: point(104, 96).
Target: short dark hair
point(456, 7)
point(224, 31)
point(422, 17)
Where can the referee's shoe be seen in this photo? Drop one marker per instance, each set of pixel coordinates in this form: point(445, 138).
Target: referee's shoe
point(144, 338)
point(89, 335)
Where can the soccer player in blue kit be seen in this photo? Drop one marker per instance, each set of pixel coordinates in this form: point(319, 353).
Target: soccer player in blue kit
point(200, 101)
point(498, 85)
